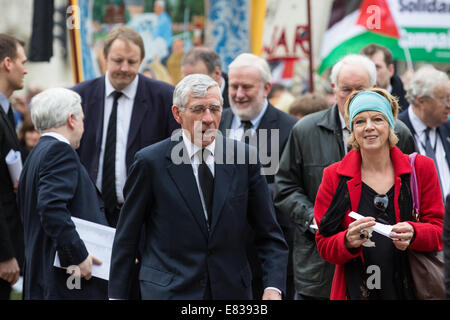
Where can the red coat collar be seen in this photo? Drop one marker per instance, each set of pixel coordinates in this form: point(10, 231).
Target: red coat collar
point(350, 166)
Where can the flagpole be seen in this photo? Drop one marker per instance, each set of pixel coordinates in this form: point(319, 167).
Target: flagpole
point(311, 76)
point(75, 43)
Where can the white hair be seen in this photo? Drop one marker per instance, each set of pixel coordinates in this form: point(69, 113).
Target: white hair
point(160, 3)
point(196, 85)
point(423, 83)
point(251, 60)
point(355, 59)
point(52, 107)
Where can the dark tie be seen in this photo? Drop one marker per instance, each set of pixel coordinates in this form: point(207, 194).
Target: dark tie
point(206, 180)
point(247, 125)
point(11, 117)
point(109, 161)
point(430, 151)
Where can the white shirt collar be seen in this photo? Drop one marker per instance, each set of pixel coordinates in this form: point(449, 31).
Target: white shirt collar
point(4, 102)
point(129, 91)
point(342, 121)
point(417, 124)
point(389, 88)
point(57, 136)
point(192, 149)
point(222, 87)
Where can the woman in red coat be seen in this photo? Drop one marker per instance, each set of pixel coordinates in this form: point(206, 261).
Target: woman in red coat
point(373, 180)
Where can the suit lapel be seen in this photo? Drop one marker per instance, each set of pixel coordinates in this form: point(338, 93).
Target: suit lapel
point(7, 121)
point(223, 177)
point(183, 177)
point(139, 109)
point(94, 114)
point(225, 123)
point(444, 132)
point(269, 119)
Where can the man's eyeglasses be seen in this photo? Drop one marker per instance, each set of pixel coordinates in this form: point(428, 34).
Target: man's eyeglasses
point(445, 101)
point(200, 109)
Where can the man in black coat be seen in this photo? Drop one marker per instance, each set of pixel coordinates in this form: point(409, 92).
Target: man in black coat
point(54, 187)
point(386, 76)
point(12, 72)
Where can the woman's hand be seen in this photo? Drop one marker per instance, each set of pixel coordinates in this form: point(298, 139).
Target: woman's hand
point(402, 233)
point(353, 238)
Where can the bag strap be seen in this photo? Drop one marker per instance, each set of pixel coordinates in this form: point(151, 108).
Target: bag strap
point(413, 184)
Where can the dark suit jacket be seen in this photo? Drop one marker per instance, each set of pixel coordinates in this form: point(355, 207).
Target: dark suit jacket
point(181, 253)
point(151, 120)
point(11, 229)
point(399, 92)
point(226, 98)
point(273, 118)
point(54, 186)
point(444, 132)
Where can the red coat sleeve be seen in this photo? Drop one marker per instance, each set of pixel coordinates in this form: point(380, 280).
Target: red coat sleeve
point(429, 230)
point(331, 249)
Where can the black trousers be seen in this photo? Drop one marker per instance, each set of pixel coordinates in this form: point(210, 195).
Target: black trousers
point(5, 290)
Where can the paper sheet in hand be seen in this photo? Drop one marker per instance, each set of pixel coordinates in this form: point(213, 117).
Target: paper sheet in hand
point(98, 240)
point(14, 162)
point(383, 229)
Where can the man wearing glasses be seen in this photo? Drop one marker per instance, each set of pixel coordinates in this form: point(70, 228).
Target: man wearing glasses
point(197, 201)
point(427, 118)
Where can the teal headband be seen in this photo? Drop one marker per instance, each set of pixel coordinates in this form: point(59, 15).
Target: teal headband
point(370, 101)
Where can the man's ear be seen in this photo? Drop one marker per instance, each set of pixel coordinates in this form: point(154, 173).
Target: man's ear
point(217, 73)
point(6, 63)
point(391, 69)
point(267, 88)
point(176, 114)
point(71, 121)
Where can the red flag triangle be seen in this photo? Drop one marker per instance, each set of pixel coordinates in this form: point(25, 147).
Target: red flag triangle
point(376, 16)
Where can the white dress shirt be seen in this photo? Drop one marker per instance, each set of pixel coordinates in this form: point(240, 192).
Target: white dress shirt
point(57, 136)
point(4, 103)
point(345, 133)
point(436, 143)
point(124, 111)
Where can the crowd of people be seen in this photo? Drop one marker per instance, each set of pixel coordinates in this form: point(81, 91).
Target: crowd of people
point(214, 191)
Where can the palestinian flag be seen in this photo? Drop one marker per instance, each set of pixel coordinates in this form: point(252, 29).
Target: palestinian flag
point(355, 24)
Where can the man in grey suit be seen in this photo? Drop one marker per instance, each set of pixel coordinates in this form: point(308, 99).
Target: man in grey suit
point(201, 191)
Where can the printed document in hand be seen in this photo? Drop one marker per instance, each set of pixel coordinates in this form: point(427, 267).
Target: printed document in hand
point(98, 240)
point(383, 229)
point(14, 162)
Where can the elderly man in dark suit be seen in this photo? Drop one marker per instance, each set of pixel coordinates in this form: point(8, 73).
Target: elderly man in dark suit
point(54, 186)
point(253, 119)
point(427, 118)
point(124, 112)
point(12, 72)
point(201, 191)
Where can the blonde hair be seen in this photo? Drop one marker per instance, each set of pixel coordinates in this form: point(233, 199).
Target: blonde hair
point(393, 139)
